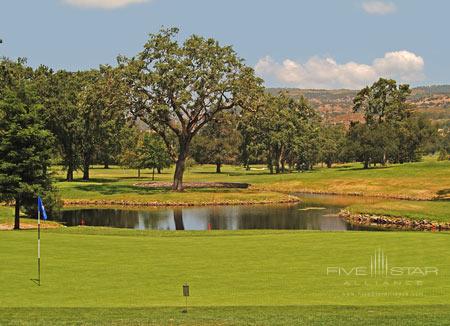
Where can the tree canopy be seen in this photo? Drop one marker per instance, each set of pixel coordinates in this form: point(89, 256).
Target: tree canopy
point(178, 88)
point(25, 147)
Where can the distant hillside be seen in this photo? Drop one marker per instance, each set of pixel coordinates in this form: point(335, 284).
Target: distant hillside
point(335, 106)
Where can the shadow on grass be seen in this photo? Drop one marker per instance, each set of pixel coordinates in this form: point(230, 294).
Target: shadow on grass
point(95, 180)
point(115, 189)
point(342, 169)
point(108, 180)
point(443, 194)
point(233, 174)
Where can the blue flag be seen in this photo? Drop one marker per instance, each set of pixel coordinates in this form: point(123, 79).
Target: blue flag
point(41, 208)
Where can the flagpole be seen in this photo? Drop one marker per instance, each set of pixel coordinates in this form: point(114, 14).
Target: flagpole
point(39, 245)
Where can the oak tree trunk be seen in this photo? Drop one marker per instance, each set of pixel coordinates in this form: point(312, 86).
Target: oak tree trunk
point(69, 176)
point(86, 164)
point(180, 166)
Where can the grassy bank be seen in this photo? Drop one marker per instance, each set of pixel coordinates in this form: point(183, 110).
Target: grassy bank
point(422, 180)
point(262, 277)
point(7, 220)
point(438, 211)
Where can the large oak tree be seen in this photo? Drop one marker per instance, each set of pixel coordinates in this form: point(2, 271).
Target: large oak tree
point(178, 88)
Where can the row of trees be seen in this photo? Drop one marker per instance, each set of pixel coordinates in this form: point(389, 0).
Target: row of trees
point(287, 134)
point(86, 112)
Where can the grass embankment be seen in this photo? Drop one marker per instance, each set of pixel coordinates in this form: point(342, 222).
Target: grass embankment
point(236, 277)
point(438, 211)
point(423, 180)
point(117, 185)
point(7, 220)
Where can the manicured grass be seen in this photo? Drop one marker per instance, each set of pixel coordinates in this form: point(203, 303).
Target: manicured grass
point(236, 277)
point(117, 184)
point(438, 211)
point(6, 214)
point(422, 180)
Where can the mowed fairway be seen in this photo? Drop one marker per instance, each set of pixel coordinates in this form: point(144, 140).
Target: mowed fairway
point(259, 277)
point(422, 180)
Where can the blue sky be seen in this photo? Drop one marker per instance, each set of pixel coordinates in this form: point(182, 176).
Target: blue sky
point(325, 44)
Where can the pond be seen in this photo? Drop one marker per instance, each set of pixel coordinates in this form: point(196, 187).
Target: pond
point(313, 213)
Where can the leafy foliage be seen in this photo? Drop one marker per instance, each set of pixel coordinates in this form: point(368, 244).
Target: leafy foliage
point(25, 146)
point(178, 88)
point(146, 151)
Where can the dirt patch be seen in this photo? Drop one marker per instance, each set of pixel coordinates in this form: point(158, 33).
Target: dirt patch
point(168, 185)
point(29, 226)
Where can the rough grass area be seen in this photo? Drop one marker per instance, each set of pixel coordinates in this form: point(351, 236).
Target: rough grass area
point(282, 315)
point(438, 211)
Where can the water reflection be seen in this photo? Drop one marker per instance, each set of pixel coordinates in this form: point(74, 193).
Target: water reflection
point(178, 218)
point(214, 217)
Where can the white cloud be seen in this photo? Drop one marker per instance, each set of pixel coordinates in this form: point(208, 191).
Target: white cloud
point(103, 4)
point(319, 72)
point(379, 7)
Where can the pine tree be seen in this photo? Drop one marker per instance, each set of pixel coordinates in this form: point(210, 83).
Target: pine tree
point(25, 149)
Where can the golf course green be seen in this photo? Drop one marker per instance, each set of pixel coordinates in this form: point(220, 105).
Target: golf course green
point(254, 272)
point(265, 277)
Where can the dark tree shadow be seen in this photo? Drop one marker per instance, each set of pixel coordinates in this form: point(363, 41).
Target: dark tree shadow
point(112, 189)
point(178, 218)
point(99, 180)
point(341, 169)
point(443, 194)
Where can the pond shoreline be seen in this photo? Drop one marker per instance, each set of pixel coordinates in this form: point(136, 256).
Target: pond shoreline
point(352, 194)
point(30, 226)
point(294, 193)
point(102, 203)
point(393, 222)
